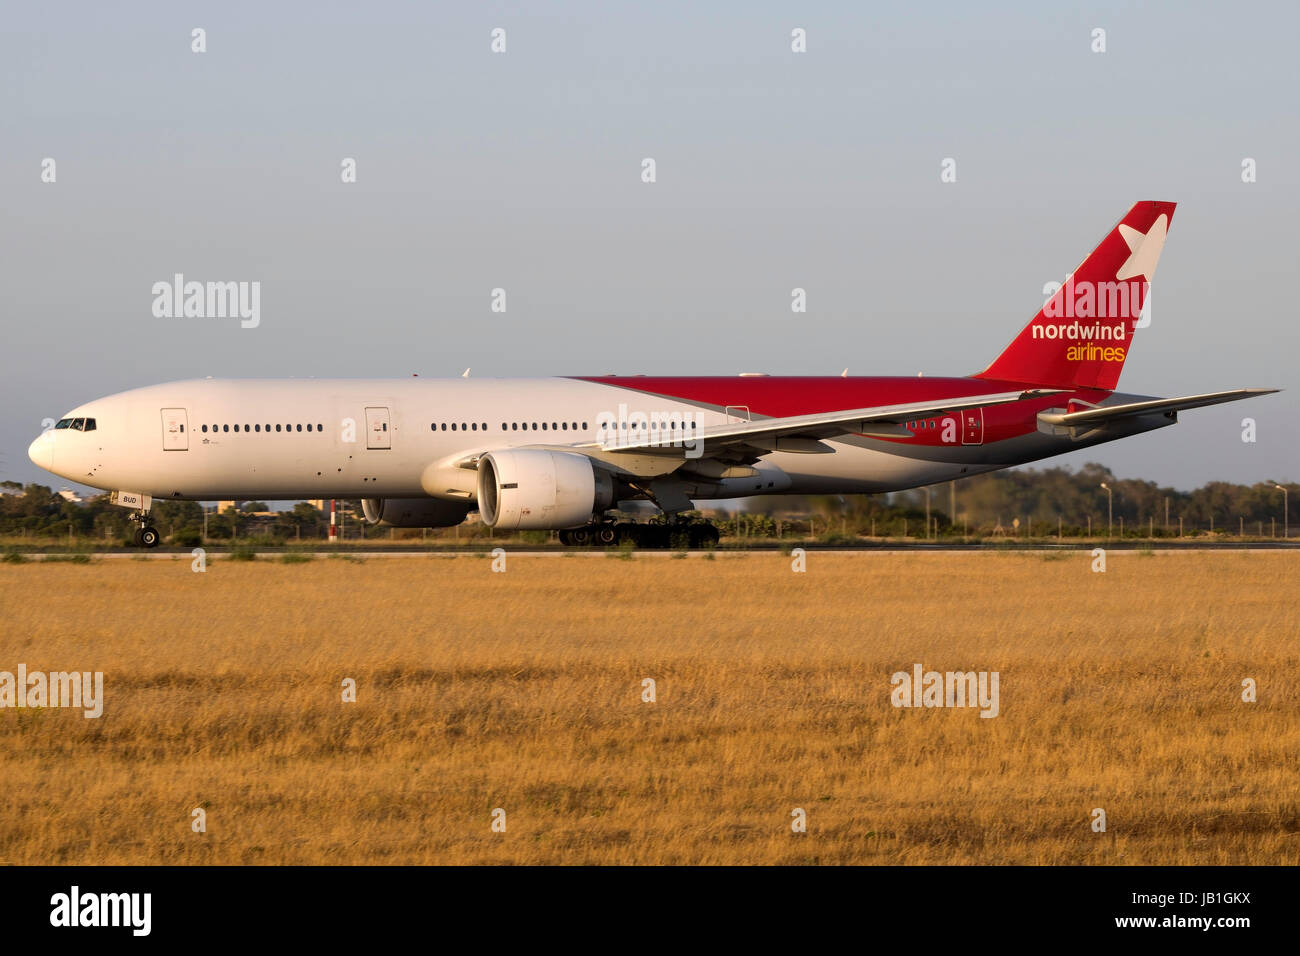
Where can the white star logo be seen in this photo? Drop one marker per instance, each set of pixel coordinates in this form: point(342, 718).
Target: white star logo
point(1144, 249)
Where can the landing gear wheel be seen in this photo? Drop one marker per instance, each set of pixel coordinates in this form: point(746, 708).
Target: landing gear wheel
point(652, 535)
point(580, 536)
point(566, 538)
point(148, 537)
point(606, 534)
point(704, 536)
point(137, 537)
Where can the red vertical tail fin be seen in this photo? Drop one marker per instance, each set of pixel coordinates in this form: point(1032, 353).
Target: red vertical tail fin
point(1082, 336)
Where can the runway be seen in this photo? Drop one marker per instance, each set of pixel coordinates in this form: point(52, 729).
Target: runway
point(533, 552)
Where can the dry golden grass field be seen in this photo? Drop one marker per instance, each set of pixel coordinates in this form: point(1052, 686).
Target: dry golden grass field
point(522, 691)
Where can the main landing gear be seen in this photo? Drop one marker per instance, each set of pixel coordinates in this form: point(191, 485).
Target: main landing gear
point(146, 535)
point(683, 534)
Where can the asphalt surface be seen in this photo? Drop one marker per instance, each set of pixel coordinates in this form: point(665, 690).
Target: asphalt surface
point(398, 551)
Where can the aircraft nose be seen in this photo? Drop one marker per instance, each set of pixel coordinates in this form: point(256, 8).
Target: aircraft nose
point(41, 451)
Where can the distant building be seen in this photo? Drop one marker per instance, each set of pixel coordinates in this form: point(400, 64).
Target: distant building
point(223, 505)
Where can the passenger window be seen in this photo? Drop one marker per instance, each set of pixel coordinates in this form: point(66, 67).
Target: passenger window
point(320, 427)
point(309, 426)
point(277, 427)
point(299, 428)
point(205, 428)
point(257, 428)
point(474, 426)
point(225, 428)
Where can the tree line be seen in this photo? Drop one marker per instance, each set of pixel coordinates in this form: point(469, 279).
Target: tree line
point(1041, 500)
point(1024, 501)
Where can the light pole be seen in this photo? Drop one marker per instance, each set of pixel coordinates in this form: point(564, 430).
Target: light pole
point(1110, 508)
point(1286, 509)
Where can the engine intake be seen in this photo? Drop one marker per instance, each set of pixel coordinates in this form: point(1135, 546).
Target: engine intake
point(534, 489)
point(414, 512)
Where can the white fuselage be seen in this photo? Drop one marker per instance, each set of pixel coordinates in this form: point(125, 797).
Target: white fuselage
point(392, 438)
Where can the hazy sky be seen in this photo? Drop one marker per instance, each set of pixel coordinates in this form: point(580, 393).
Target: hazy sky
point(522, 170)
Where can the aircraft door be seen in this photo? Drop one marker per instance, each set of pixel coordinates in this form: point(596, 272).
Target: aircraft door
point(175, 431)
point(378, 430)
point(972, 426)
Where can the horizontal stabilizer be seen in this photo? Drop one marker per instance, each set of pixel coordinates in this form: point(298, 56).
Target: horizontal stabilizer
point(1104, 413)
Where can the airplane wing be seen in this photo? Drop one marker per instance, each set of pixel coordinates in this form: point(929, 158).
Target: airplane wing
point(1104, 413)
point(803, 432)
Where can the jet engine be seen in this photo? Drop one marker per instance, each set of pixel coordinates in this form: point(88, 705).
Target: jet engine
point(414, 512)
point(533, 489)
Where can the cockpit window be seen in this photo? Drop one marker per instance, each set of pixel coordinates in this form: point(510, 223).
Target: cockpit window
point(63, 423)
point(89, 426)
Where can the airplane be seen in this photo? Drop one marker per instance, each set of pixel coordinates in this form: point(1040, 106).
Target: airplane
point(563, 453)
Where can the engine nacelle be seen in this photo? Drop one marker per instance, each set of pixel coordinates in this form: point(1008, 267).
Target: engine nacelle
point(414, 512)
point(534, 489)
